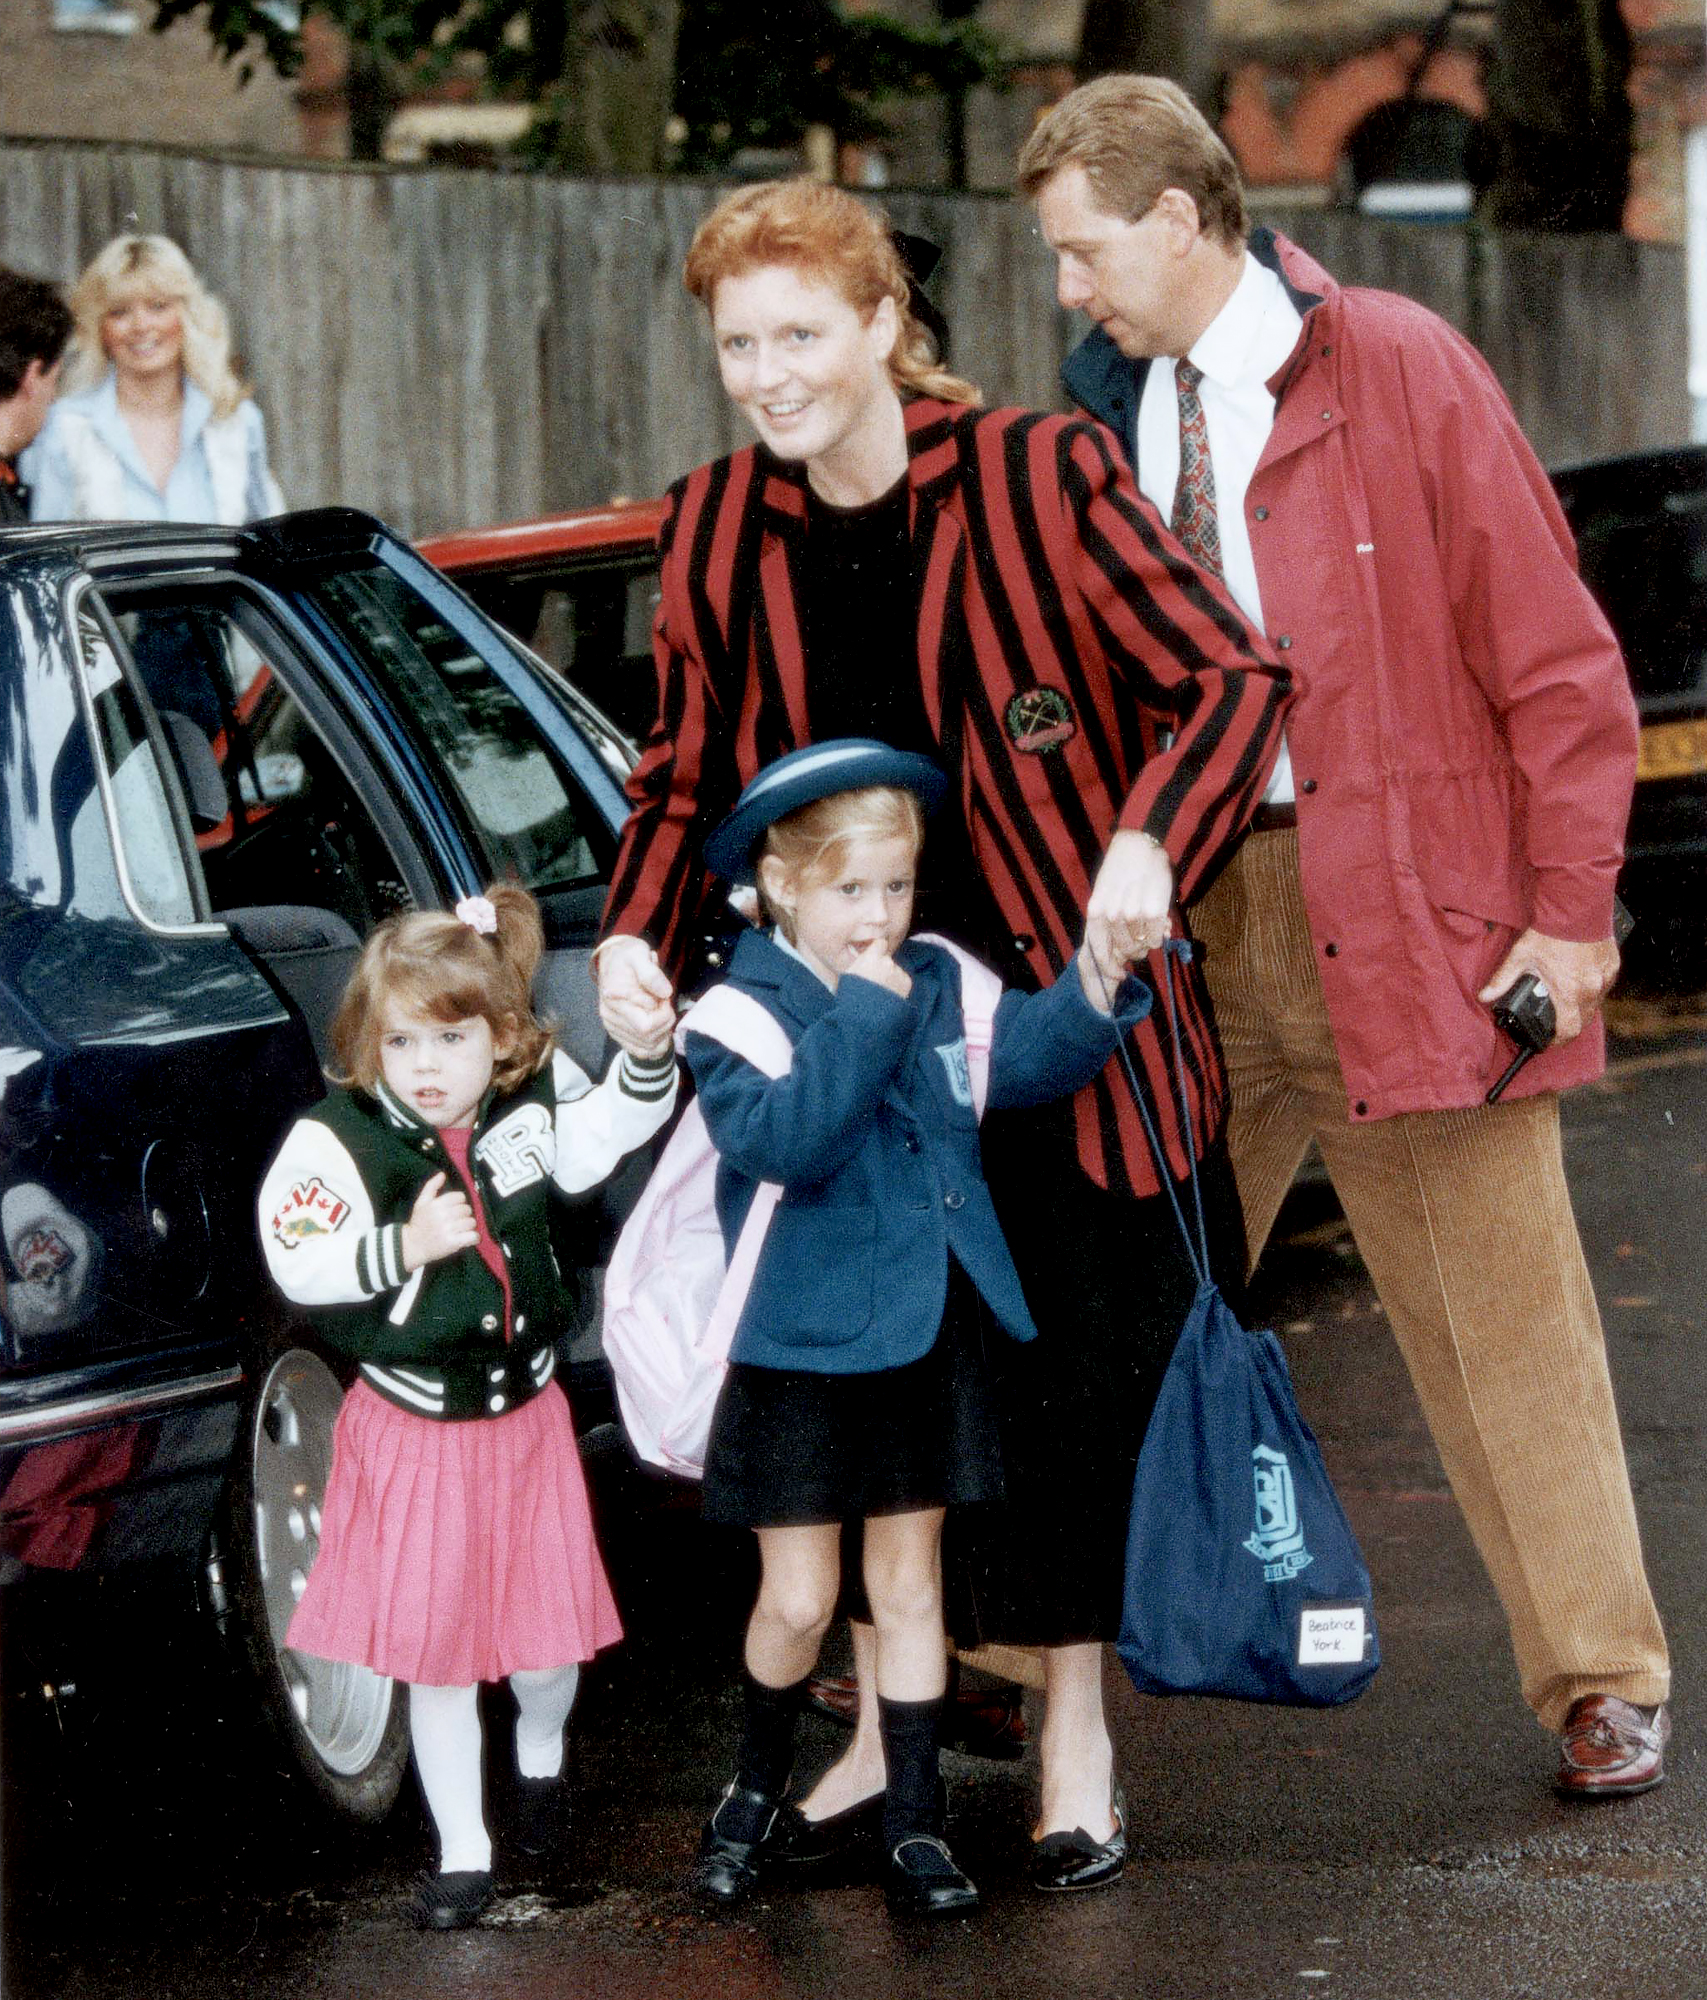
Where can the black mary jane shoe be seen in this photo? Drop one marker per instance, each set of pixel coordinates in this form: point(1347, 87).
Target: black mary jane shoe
point(923, 1879)
point(1067, 1861)
point(740, 1834)
point(539, 1815)
point(453, 1902)
point(854, 1833)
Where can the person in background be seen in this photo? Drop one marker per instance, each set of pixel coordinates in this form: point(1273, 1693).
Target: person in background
point(155, 424)
point(1447, 818)
point(35, 325)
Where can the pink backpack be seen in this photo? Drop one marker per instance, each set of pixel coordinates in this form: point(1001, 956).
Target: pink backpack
point(671, 1303)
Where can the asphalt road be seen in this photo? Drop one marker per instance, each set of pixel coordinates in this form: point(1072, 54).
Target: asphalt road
point(1408, 1846)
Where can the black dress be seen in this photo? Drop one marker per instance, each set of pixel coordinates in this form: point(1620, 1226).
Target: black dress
point(1105, 1275)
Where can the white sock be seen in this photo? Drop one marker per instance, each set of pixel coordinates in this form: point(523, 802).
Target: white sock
point(444, 1732)
point(544, 1697)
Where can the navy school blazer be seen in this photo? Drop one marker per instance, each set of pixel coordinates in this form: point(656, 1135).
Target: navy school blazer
point(873, 1138)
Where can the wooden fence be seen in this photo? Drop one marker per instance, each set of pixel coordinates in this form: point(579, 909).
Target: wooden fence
point(450, 347)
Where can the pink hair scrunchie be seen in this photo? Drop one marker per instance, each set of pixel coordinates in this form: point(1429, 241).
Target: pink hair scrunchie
point(478, 914)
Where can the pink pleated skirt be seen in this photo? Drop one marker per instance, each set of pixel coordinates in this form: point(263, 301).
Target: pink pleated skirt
point(455, 1552)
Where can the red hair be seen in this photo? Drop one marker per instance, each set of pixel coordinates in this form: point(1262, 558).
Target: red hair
point(827, 237)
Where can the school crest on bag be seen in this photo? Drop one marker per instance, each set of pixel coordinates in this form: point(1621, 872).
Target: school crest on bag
point(1278, 1543)
point(519, 1151)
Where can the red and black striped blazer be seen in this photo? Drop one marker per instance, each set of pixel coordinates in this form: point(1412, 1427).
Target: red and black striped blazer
point(1080, 674)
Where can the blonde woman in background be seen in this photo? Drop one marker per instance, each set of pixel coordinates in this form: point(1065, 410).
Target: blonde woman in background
point(155, 424)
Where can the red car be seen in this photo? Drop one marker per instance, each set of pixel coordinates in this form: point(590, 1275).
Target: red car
point(580, 589)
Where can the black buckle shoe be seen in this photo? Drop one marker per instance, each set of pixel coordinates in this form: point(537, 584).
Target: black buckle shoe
point(452, 1902)
point(924, 1880)
point(736, 1837)
point(540, 1815)
point(855, 1833)
point(1066, 1861)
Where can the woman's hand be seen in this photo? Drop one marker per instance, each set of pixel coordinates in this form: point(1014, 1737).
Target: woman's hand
point(1128, 914)
point(634, 996)
point(440, 1224)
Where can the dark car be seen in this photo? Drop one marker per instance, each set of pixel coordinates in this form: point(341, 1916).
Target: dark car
point(580, 589)
point(226, 755)
point(1641, 529)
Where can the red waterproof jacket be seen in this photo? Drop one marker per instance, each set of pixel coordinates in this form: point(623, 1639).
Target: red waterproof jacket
point(1462, 733)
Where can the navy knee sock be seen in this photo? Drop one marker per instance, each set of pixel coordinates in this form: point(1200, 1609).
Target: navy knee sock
point(767, 1735)
point(912, 1803)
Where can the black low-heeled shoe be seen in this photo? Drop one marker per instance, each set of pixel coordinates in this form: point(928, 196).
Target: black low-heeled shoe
point(452, 1902)
point(853, 1833)
point(923, 1879)
point(539, 1817)
point(744, 1830)
point(1065, 1861)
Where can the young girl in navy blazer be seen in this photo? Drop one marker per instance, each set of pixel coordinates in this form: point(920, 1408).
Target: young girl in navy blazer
point(411, 1209)
point(856, 1388)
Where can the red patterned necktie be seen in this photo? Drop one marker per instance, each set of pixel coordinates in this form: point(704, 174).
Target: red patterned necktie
point(1194, 497)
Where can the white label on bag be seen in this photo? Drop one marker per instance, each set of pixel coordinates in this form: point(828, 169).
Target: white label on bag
point(1331, 1635)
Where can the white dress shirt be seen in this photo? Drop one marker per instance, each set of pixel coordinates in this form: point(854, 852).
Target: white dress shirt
point(1241, 348)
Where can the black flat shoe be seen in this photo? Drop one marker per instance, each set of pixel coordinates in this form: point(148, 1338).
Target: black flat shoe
point(855, 1831)
point(741, 1833)
point(923, 1879)
point(539, 1815)
point(1066, 1861)
point(452, 1902)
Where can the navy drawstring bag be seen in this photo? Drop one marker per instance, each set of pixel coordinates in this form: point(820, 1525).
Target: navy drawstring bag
point(1243, 1576)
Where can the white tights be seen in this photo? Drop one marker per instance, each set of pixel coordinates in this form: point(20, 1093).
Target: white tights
point(444, 1732)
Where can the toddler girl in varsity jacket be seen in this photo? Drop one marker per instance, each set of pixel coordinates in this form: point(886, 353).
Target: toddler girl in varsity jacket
point(410, 1208)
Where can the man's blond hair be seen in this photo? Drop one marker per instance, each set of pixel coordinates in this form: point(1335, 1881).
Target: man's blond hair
point(1134, 136)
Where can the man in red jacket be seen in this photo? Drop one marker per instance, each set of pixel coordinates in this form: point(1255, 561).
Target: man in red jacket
point(1447, 816)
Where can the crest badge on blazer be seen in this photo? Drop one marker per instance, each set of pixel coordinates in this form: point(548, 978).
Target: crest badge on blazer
point(1039, 719)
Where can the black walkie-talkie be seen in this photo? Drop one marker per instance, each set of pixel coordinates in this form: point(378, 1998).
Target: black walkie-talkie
point(1525, 1013)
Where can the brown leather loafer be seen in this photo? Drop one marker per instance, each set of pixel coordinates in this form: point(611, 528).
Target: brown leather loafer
point(1610, 1749)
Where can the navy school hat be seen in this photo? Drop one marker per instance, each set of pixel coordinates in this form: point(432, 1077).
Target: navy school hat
point(843, 764)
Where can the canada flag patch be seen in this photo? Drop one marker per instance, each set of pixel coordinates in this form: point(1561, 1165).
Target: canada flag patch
point(310, 1209)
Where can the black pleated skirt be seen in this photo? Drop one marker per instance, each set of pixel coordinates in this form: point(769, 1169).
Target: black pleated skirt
point(792, 1447)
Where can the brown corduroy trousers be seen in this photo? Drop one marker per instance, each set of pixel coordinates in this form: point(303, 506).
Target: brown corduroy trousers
point(1464, 1221)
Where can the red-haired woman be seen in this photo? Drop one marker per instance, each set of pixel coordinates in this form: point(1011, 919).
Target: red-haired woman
point(989, 589)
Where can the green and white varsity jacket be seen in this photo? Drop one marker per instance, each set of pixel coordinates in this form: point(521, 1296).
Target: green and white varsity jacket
point(334, 1201)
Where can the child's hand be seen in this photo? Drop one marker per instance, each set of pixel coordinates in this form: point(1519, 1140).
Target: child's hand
point(1098, 991)
point(635, 1007)
point(874, 963)
point(440, 1224)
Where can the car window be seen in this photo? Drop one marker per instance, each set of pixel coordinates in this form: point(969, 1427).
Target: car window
point(278, 823)
point(524, 809)
point(144, 830)
point(593, 626)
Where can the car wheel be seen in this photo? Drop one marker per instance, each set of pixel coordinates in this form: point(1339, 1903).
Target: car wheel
point(344, 1728)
